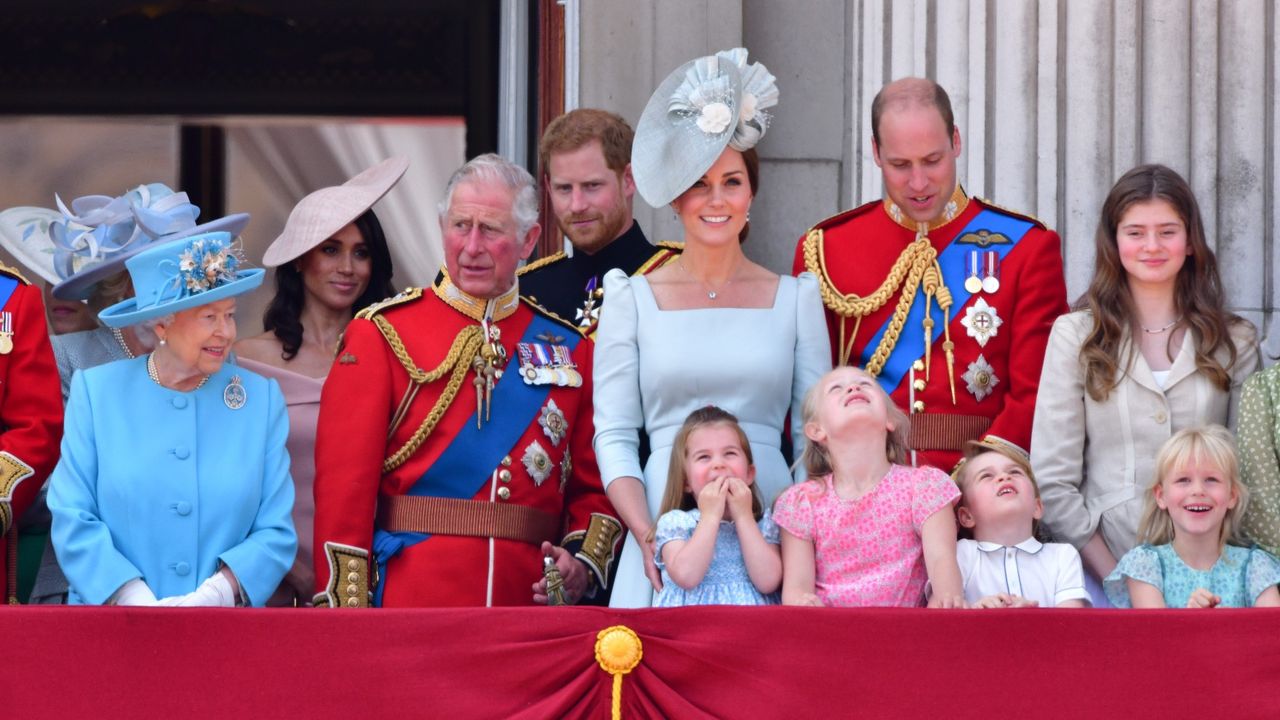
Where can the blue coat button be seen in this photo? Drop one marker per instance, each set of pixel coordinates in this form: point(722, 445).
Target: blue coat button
point(182, 507)
point(181, 452)
point(182, 569)
point(179, 401)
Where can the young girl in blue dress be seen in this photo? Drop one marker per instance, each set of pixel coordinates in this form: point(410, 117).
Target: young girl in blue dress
point(1192, 553)
point(716, 544)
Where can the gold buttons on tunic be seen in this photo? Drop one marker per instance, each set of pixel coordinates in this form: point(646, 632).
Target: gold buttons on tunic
point(504, 475)
point(919, 385)
point(353, 565)
point(504, 493)
point(353, 578)
point(918, 366)
point(918, 406)
point(353, 590)
point(353, 602)
point(506, 461)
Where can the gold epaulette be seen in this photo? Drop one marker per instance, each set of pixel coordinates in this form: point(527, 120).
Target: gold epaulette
point(545, 312)
point(541, 262)
point(6, 270)
point(667, 251)
point(1013, 213)
point(405, 296)
point(844, 215)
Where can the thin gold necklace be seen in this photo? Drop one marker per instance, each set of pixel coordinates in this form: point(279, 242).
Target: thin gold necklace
point(151, 372)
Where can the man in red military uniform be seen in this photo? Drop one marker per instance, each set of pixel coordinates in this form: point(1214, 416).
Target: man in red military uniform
point(946, 299)
point(30, 412)
point(453, 452)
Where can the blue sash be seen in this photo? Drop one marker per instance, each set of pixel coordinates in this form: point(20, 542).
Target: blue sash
point(468, 461)
point(7, 286)
point(910, 345)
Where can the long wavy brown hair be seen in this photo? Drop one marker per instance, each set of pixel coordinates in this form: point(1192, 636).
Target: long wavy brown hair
point(1198, 294)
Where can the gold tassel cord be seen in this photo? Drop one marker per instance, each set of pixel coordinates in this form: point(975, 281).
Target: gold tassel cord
point(465, 345)
point(618, 652)
point(909, 267)
point(916, 268)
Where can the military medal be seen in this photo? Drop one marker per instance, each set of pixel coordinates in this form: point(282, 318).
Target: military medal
point(537, 462)
point(566, 467)
point(990, 283)
point(981, 321)
point(980, 378)
point(6, 333)
point(554, 426)
point(973, 283)
point(233, 394)
point(589, 313)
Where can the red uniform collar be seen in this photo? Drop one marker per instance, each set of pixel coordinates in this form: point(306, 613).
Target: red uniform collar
point(954, 208)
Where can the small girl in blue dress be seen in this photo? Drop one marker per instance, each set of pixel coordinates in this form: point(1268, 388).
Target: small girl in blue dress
point(1192, 552)
point(716, 544)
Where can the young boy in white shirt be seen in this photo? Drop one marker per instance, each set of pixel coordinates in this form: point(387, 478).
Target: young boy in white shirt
point(1003, 564)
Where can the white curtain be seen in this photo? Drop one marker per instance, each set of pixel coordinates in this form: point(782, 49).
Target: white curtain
point(284, 162)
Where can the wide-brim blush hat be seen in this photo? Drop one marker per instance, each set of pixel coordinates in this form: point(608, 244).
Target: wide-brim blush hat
point(701, 108)
point(318, 216)
point(24, 233)
point(181, 274)
point(99, 233)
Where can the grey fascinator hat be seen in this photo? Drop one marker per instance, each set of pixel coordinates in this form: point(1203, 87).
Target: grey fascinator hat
point(702, 107)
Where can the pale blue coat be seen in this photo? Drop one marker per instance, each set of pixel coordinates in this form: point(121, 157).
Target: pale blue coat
point(162, 485)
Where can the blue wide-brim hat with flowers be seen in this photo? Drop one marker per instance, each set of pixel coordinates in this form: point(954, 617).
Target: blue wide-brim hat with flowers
point(99, 233)
point(701, 108)
point(181, 274)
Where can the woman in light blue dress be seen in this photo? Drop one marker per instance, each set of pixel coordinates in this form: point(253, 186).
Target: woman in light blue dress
point(711, 328)
point(173, 487)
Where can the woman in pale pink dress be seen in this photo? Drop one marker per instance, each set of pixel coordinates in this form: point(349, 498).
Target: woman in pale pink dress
point(331, 260)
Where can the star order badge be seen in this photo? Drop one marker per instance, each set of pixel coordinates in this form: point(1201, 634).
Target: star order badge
point(554, 425)
point(981, 322)
point(980, 378)
point(537, 462)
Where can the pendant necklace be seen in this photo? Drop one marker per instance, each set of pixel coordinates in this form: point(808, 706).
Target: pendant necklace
point(711, 294)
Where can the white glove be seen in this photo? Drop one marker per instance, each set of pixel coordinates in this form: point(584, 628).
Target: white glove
point(134, 592)
point(214, 592)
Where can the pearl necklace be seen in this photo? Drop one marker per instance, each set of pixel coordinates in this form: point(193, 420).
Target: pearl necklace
point(151, 372)
point(123, 345)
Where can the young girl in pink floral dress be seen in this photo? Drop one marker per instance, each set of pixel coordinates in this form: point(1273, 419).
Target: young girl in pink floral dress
point(865, 529)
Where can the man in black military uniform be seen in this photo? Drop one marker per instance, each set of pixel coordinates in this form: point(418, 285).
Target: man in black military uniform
point(585, 156)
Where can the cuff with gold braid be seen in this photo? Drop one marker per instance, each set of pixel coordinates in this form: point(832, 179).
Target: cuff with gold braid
point(349, 582)
point(12, 472)
point(595, 547)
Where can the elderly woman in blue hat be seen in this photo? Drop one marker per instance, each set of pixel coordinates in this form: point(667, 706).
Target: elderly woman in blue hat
point(174, 487)
point(85, 248)
point(712, 328)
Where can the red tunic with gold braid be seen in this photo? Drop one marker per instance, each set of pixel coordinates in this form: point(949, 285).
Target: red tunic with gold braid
point(998, 334)
point(450, 503)
point(30, 411)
